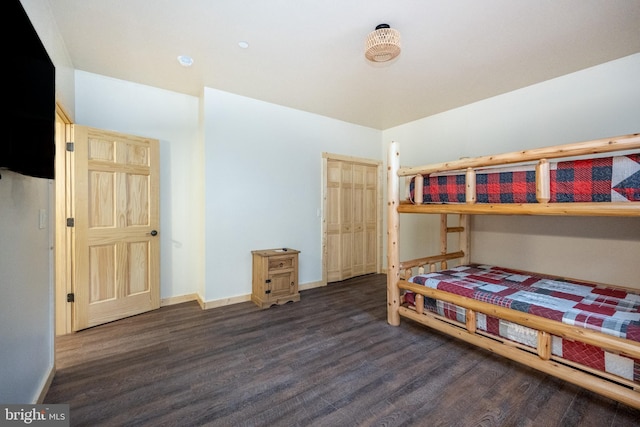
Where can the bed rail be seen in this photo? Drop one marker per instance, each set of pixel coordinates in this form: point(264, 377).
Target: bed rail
point(627, 209)
point(597, 146)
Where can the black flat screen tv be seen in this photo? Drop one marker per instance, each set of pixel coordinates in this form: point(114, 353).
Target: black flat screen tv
point(28, 147)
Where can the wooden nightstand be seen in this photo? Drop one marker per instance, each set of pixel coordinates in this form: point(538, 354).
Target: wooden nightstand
point(275, 277)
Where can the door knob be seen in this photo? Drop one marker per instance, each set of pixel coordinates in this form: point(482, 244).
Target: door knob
point(154, 233)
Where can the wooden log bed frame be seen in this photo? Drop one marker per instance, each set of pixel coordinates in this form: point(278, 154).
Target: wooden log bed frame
point(539, 355)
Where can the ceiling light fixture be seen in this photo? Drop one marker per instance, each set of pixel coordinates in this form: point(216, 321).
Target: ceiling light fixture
point(383, 44)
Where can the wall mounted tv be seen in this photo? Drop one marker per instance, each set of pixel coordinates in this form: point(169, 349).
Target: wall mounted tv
point(28, 147)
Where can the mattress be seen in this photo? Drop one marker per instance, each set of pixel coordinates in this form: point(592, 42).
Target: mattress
point(606, 179)
point(608, 310)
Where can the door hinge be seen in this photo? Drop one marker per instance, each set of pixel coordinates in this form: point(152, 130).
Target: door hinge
point(268, 291)
point(70, 146)
point(71, 297)
point(71, 222)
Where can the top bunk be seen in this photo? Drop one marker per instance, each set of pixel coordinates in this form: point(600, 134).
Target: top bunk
point(591, 178)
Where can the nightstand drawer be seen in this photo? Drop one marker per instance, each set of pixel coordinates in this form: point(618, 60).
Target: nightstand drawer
point(279, 263)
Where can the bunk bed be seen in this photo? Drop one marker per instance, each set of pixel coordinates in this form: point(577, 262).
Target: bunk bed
point(583, 332)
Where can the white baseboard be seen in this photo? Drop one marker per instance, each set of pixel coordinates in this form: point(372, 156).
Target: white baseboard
point(178, 299)
point(206, 305)
point(47, 384)
point(311, 285)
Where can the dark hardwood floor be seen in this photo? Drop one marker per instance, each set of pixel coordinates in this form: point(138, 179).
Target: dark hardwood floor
point(329, 360)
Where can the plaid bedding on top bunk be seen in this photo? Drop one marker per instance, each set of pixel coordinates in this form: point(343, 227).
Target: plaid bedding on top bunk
point(608, 179)
point(611, 311)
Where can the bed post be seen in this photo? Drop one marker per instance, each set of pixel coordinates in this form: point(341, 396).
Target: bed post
point(444, 232)
point(393, 228)
point(465, 238)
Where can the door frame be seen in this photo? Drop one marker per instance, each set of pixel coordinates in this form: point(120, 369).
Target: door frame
point(379, 203)
point(63, 271)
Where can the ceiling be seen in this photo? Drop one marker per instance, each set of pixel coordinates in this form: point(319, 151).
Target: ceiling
point(309, 54)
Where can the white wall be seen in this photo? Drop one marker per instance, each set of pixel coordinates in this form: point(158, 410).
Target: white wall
point(172, 118)
point(263, 184)
point(598, 102)
point(26, 285)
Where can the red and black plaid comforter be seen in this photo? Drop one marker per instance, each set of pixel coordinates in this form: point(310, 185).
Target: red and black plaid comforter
point(593, 180)
point(608, 310)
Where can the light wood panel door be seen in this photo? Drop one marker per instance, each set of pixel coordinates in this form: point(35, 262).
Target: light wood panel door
point(332, 217)
point(351, 219)
point(116, 248)
point(346, 221)
point(371, 220)
point(358, 176)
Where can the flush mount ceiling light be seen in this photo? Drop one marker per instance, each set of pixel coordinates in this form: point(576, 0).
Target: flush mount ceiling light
point(185, 61)
point(383, 44)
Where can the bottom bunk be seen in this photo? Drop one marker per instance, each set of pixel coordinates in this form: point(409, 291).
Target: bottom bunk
point(585, 333)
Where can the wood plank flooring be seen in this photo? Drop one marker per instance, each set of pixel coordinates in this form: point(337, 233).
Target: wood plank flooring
point(329, 360)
